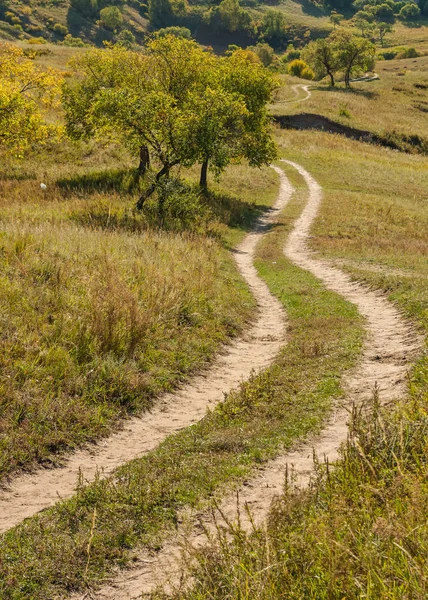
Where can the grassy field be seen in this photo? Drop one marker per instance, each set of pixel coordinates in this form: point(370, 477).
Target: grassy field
point(138, 506)
point(101, 312)
point(397, 102)
point(360, 530)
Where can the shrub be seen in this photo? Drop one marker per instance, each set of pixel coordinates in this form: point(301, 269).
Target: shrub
point(291, 54)
point(76, 42)
point(176, 207)
point(296, 67)
point(37, 40)
point(307, 73)
point(111, 18)
point(60, 29)
point(408, 53)
point(126, 38)
point(182, 32)
point(410, 12)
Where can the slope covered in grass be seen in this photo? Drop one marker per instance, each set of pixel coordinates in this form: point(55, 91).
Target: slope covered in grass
point(360, 530)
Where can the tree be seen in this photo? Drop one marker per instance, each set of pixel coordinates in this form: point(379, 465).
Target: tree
point(382, 29)
point(353, 53)
point(160, 13)
point(111, 18)
point(273, 28)
point(25, 91)
point(176, 103)
point(320, 55)
point(336, 18)
point(363, 19)
point(230, 16)
point(126, 38)
point(410, 11)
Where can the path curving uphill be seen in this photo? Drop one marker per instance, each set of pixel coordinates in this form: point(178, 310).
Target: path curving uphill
point(390, 347)
point(30, 494)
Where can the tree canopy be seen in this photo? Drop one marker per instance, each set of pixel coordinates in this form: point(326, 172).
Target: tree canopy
point(174, 102)
point(25, 91)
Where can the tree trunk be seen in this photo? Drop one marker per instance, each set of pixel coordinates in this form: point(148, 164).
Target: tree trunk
point(149, 191)
point(330, 74)
point(347, 79)
point(144, 161)
point(203, 182)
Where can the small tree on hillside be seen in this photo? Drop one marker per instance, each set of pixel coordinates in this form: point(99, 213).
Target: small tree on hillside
point(273, 28)
point(24, 92)
point(353, 53)
point(320, 55)
point(111, 18)
point(160, 13)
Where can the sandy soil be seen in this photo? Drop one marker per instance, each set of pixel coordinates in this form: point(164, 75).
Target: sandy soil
point(390, 347)
point(29, 494)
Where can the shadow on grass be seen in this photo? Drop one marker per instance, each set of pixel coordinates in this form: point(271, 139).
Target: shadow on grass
point(352, 90)
point(311, 9)
point(123, 181)
point(232, 211)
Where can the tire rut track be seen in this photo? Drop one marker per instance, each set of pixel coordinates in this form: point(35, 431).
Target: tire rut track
point(31, 493)
point(391, 344)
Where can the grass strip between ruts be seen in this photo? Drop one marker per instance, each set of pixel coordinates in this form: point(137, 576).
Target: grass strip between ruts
point(78, 541)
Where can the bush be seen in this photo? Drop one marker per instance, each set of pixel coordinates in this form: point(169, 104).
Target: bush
point(75, 42)
point(37, 40)
point(177, 207)
point(408, 53)
point(291, 54)
point(307, 73)
point(126, 38)
point(410, 12)
point(182, 32)
point(60, 29)
point(297, 67)
point(111, 18)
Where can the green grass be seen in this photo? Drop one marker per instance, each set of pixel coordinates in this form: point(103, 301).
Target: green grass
point(392, 104)
point(140, 503)
point(101, 312)
point(360, 530)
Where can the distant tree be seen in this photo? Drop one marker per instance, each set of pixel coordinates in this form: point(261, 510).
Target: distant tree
point(182, 32)
point(264, 52)
point(336, 18)
point(321, 56)
point(160, 13)
point(126, 38)
point(353, 53)
point(410, 12)
point(382, 30)
point(111, 18)
point(230, 16)
point(383, 12)
point(364, 21)
point(273, 28)
point(25, 90)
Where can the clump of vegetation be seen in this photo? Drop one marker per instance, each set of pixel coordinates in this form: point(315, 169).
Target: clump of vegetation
point(341, 51)
point(25, 93)
point(187, 106)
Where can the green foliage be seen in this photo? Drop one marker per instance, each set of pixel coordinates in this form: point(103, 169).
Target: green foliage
point(111, 18)
point(126, 39)
point(264, 52)
point(273, 28)
point(410, 12)
point(60, 29)
point(296, 67)
point(177, 31)
point(230, 16)
point(160, 13)
point(182, 103)
point(323, 59)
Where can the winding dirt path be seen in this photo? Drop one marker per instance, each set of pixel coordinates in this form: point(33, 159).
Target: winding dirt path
point(390, 347)
point(29, 494)
point(299, 86)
